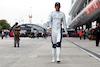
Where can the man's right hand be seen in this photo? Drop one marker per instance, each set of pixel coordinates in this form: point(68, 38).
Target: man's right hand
point(48, 31)
point(67, 35)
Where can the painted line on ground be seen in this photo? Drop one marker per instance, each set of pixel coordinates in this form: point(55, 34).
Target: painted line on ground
point(89, 52)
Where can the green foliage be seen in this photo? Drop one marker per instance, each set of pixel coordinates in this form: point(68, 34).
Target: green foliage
point(0, 27)
point(4, 25)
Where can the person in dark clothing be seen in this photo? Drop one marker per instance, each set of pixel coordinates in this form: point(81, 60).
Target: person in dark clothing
point(97, 33)
point(45, 34)
point(84, 34)
point(6, 33)
point(16, 30)
point(2, 34)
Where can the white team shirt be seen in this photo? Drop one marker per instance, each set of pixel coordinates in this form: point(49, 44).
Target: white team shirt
point(55, 20)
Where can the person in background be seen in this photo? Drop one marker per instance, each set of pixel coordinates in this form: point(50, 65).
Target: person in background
point(97, 33)
point(84, 34)
point(45, 34)
point(80, 34)
point(2, 34)
point(37, 34)
point(6, 33)
point(16, 30)
point(33, 34)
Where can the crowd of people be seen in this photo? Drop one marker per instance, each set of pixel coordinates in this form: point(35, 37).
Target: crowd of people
point(37, 35)
point(95, 34)
point(4, 34)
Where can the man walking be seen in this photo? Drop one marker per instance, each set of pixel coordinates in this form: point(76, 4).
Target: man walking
point(55, 19)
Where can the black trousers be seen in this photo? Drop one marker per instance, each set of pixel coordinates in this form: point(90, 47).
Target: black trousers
point(2, 36)
point(80, 37)
point(84, 37)
point(97, 39)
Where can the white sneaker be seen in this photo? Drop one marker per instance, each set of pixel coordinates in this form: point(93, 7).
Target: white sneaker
point(53, 60)
point(58, 60)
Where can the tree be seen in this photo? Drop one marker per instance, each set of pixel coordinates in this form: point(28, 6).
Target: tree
point(4, 25)
point(0, 27)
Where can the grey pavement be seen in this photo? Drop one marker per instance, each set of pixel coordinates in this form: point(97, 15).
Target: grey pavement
point(37, 53)
point(88, 44)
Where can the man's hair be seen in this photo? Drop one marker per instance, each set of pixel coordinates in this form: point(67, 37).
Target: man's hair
point(57, 4)
point(16, 23)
